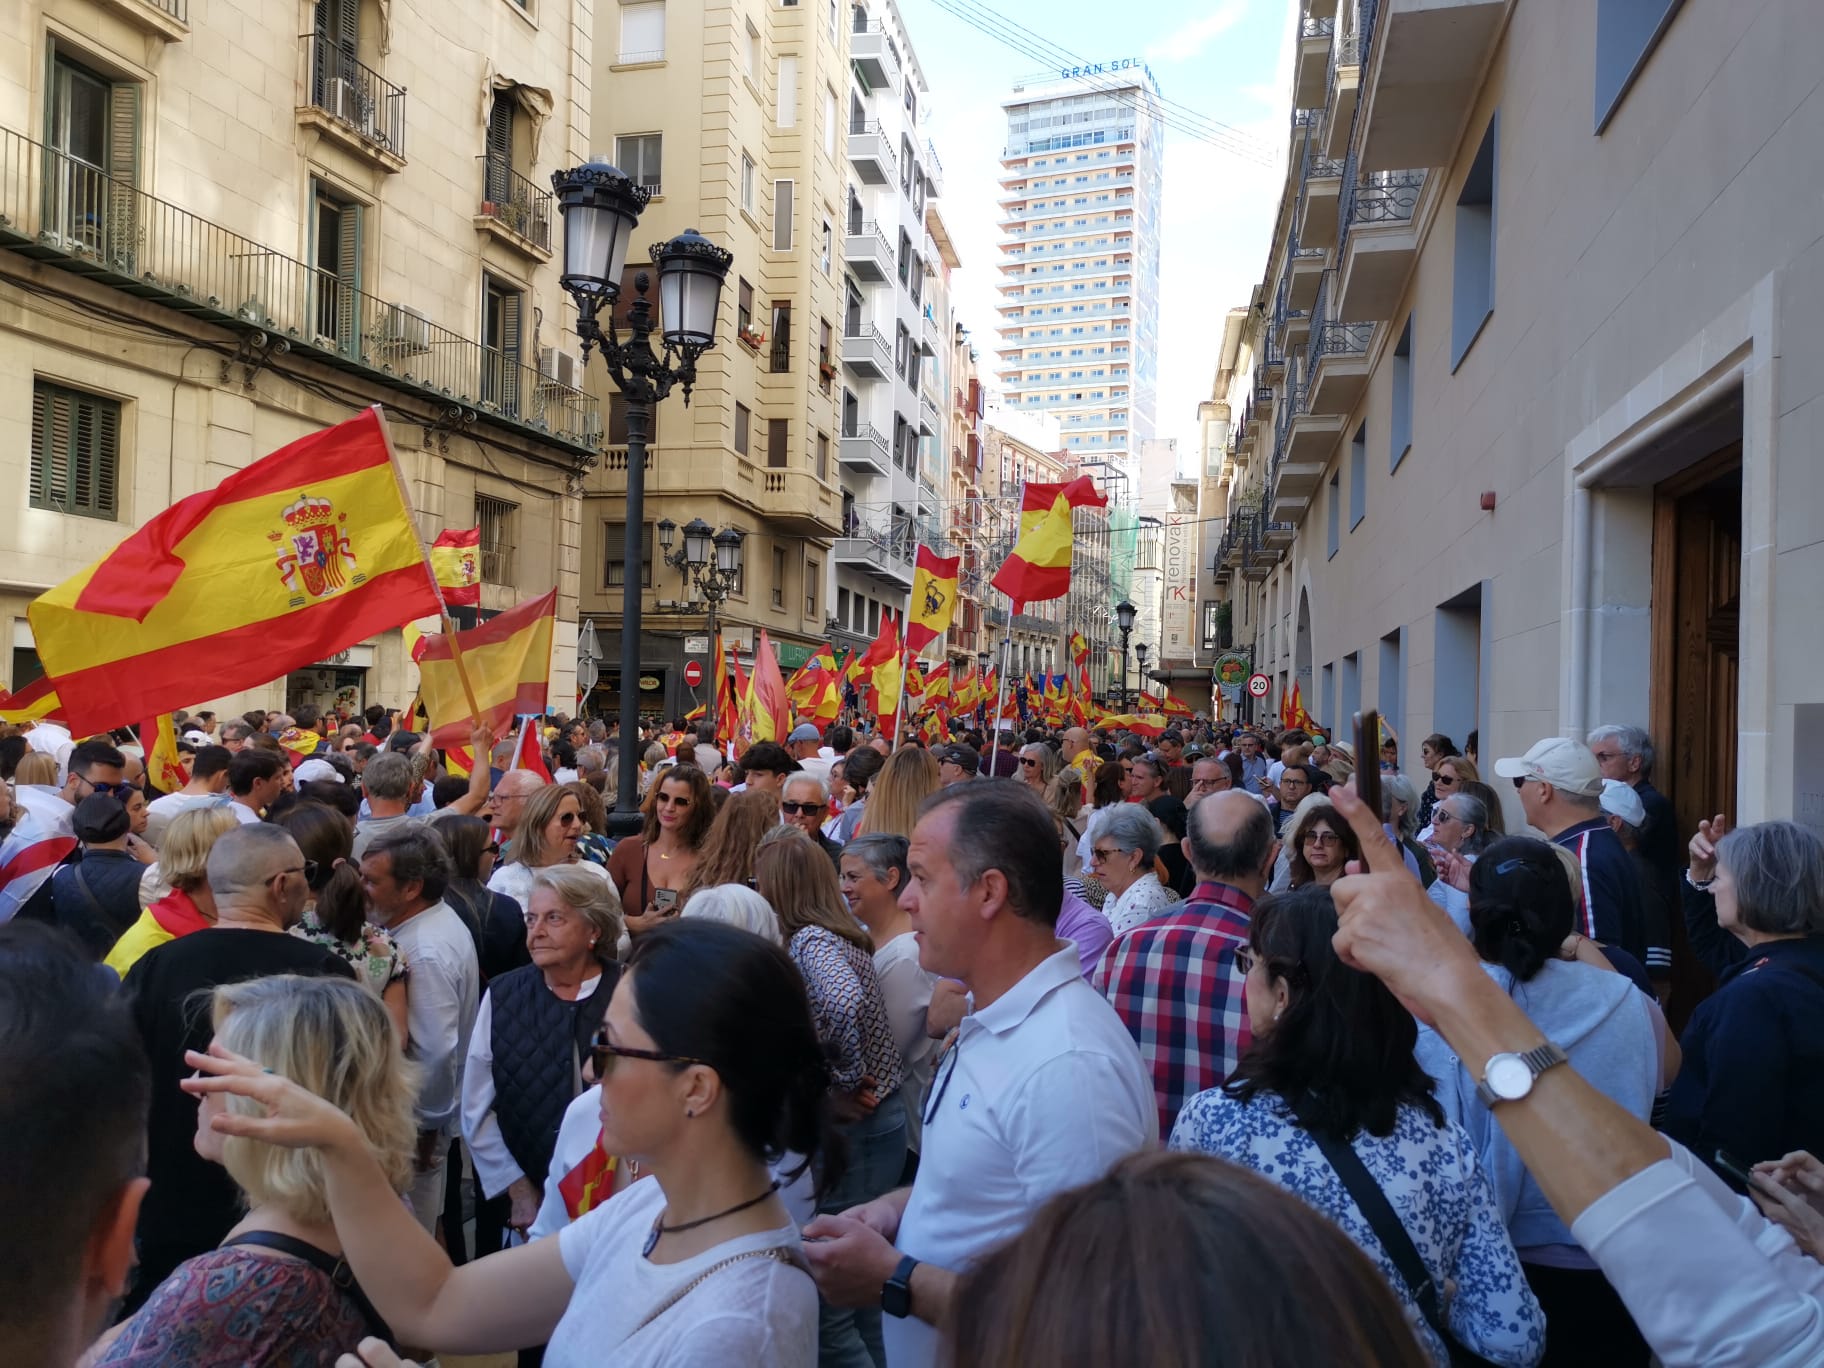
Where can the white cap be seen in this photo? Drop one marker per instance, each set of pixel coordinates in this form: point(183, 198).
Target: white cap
point(1558, 761)
point(1620, 800)
point(315, 768)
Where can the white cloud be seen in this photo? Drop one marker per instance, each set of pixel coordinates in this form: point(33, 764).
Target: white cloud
point(1190, 40)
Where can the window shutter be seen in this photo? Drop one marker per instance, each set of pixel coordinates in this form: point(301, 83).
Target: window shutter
point(123, 171)
point(50, 448)
point(348, 279)
point(510, 302)
point(345, 25)
point(776, 443)
point(500, 148)
point(782, 215)
point(107, 458)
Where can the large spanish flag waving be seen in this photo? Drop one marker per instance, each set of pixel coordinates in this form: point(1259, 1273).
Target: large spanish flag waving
point(304, 552)
point(508, 661)
point(933, 598)
point(1039, 567)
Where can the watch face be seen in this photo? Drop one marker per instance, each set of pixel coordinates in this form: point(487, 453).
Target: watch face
point(1509, 1077)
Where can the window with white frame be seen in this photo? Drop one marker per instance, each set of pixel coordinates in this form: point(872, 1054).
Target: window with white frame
point(640, 158)
point(643, 32)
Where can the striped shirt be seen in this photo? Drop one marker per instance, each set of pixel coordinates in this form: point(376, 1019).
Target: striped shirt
point(1612, 909)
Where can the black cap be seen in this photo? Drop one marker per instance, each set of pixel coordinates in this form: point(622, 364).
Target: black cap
point(964, 757)
point(100, 817)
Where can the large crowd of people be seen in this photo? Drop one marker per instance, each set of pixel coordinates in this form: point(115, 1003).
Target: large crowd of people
point(1074, 1047)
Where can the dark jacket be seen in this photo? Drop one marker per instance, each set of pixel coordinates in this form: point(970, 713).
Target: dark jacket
point(1715, 948)
point(1612, 911)
point(97, 897)
point(1752, 1082)
point(495, 921)
point(539, 1042)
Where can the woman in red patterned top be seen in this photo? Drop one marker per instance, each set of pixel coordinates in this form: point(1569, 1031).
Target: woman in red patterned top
point(276, 1291)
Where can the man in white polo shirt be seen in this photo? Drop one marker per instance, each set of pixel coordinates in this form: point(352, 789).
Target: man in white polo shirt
point(1043, 1089)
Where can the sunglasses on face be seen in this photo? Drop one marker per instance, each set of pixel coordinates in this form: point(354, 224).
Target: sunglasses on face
point(1098, 854)
point(1323, 838)
point(1521, 780)
point(569, 818)
point(603, 1052)
point(1445, 781)
point(120, 790)
point(308, 869)
point(793, 809)
point(1246, 959)
point(1028, 762)
point(665, 799)
point(1441, 816)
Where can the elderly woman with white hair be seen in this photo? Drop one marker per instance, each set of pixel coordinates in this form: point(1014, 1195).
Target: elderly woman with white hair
point(533, 1030)
point(1752, 1084)
point(1124, 843)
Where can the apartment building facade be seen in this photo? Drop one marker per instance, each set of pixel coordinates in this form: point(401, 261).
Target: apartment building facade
point(1528, 440)
point(217, 236)
point(1079, 260)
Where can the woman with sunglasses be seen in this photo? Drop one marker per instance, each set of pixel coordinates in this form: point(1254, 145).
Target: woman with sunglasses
point(1038, 763)
point(1459, 834)
point(1331, 1068)
point(531, 1036)
point(652, 868)
point(550, 833)
point(711, 1070)
point(1124, 844)
point(1320, 844)
point(335, 912)
point(1522, 920)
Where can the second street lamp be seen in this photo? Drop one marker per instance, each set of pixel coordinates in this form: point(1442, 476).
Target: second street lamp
point(712, 580)
point(1124, 619)
point(601, 208)
point(1141, 651)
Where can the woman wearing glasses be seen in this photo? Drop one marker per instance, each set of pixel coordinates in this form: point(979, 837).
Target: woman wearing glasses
point(711, 1068)
point(549, 833)
point(1124, 843)
point(1522, 920)
point(1459, 833)
point(532, 1034)
point(1320, 845)
point(652, 868)
point(1038, 763)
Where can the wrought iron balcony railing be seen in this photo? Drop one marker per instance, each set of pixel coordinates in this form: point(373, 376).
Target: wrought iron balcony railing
point(1314, 26)
point(59, 209)
point(511, 199)
point(1385, 197)
point(356, 96)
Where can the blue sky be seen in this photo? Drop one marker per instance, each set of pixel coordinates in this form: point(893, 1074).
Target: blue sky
point(1228, 60)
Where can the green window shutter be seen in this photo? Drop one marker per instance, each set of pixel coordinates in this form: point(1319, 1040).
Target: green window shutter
point(348, 279)
point(75, 452)
point(510, 302)
point(50, 447)
point(123, 177)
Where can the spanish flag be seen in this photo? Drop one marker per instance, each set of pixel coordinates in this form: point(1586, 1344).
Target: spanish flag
point(36, 702)
point(1039, 567)
point(727, 714)
point(307, 551)
point(933, 598)
point(881, 666)
point(590, 1182)
point(508, 661)
point(456, 560)
point(164, 766)
point(771, 709)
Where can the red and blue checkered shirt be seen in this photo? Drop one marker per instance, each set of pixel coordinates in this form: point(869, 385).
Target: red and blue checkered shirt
point(1175, 983)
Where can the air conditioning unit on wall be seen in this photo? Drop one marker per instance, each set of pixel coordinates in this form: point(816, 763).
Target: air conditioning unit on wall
point(560, 368)
point(407, 330)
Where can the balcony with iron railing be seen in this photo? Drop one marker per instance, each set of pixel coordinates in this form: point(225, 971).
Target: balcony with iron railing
point(166, 19)
point(874, 53)
point(871, 152)
point(513, 208)
point(1338, 356)
point(1379, 240)
point(1343, 81)
point(868, 251)
point(1315, 36)
point(354, 104)
point(57, 209)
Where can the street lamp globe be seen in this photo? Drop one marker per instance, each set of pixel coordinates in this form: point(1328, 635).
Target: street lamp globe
point(728, 553)
point(600, 206)
point(1124, 616)
point(667, 530)
point(1141, 652)
point(691, 272)
point(696, 543)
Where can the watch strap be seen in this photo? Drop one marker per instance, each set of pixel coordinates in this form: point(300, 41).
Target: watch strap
point(896, 1293)
point(1537, 1060)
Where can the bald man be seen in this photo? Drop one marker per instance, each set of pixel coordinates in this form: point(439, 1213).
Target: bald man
point(1173, 980)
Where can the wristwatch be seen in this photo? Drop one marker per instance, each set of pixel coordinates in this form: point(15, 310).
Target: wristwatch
point(896, 1295)
point(1509, 1077)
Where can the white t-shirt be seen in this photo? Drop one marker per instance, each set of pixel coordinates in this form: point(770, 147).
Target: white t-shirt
point(515, 880)
point(760, 1312)
point(161, 812)
point(1043, 1091)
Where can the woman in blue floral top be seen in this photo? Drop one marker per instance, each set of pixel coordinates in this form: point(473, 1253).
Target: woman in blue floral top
point(1338, 1044)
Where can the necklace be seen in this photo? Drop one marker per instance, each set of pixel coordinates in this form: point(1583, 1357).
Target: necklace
point(660, 1228)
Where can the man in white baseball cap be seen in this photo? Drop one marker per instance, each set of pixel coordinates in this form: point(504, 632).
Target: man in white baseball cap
point(1560, 787)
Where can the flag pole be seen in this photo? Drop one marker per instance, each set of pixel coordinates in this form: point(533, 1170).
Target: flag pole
point(1000, 696)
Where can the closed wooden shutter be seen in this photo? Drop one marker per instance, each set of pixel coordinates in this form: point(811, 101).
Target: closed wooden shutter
point(510, 303)
point(123, 177)
point(348, 280)
point(75, 466)
point(775, 443)
point(500, 148)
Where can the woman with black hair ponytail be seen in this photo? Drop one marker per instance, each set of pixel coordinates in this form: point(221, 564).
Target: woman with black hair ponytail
point(1522, 922)
point(711, 1073)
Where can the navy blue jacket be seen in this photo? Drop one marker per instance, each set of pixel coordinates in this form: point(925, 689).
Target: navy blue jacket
point(1612, 911)
point(1753, 1076)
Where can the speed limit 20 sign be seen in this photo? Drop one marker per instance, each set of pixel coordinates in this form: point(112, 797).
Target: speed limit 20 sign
point(1259, 685)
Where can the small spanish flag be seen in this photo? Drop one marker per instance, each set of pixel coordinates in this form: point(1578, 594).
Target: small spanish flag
point(456, 559)
point(36, 702)
point(1039, 567)
point(508, 662)
point(590, 1183)
point(164, 766)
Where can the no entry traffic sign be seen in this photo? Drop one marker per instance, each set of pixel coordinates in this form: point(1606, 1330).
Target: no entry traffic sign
point(693, 673)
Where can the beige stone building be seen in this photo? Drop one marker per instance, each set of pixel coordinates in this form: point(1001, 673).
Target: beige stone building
point(217, 236)
point(1529, 385)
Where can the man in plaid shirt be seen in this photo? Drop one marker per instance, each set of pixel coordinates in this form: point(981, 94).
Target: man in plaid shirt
point(1173, 980)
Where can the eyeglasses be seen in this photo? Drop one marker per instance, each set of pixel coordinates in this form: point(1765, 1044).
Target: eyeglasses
point(1027, 762)
point(1442, 780)
point(308, 869)
point(121, 790)
point(1246, 959)
point(569, 818)
point(669, 800)
point(602, 1052)
point(793, 809)
point(1439, 816)
point(1322, 838)
point(1522, 780)
point(1098, 854)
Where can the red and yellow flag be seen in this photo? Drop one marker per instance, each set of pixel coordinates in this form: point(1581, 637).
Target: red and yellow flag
point(933, 598)
point(456, 561)
point(307, 551)
point(508, 661)
point(165, 769)
point(36, 702)
point(590, 1182)
point(772, 709)
point(1039, 567)
point(727, 716)
point(824, 706)
point(880, 665)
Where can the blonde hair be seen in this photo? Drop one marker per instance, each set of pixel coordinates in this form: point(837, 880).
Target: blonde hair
point(1064, 795)
point(908, 778)
point(332, 1037)
point(541, 809)
point(1463, 767)
point(183, 851)
point(797, 878)
point(589, 895)
point(36, 767)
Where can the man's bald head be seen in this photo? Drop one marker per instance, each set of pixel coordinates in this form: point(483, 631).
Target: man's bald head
point(1230, 836)
point(1076, 741)
point(507, 803)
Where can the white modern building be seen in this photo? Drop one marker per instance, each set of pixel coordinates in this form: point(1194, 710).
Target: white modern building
point(1079, 257)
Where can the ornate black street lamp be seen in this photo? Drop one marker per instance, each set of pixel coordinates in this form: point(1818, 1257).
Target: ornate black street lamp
point(712, 579)
point(601, 207)
point(1124, 619)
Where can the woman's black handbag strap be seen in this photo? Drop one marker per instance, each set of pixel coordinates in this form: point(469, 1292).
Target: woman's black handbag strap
point(1385, 1222)
point(338, 1270)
